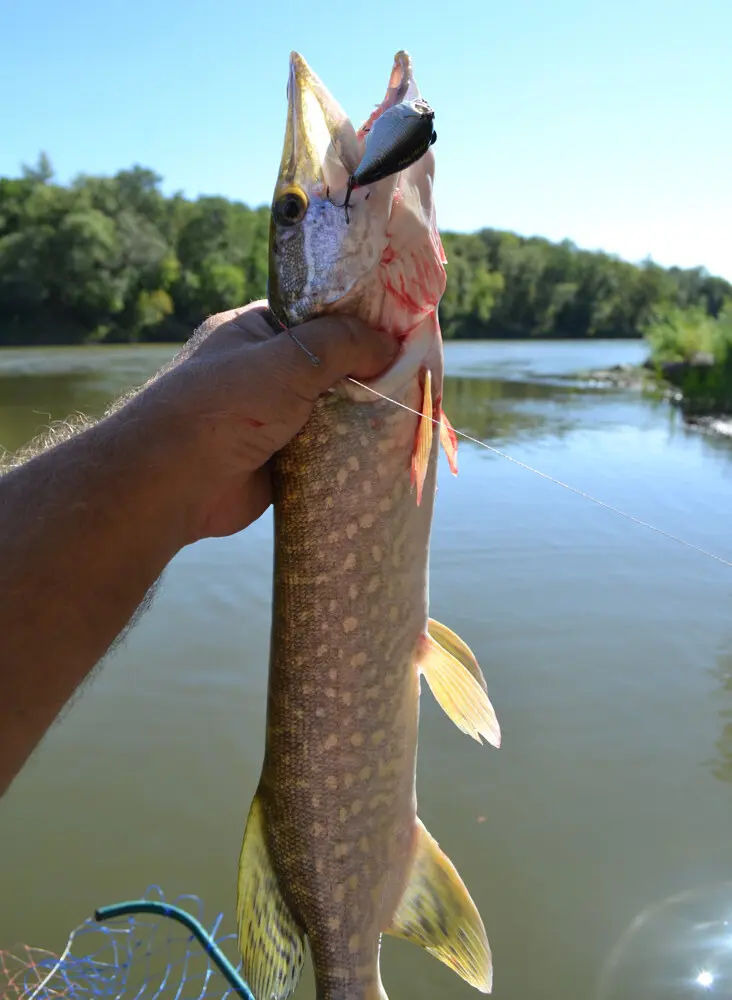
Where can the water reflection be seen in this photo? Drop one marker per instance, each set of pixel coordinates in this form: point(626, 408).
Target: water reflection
point(129, 362)
point(678, 948)
point(29, 403)
point(41, 386)
point(494, 409)
point(721, 765)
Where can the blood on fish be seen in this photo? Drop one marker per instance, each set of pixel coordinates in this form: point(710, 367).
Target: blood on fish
point(402, 297)
point(387, 256)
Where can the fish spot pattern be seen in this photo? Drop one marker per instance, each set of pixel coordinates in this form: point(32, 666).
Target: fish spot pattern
point(351, 553)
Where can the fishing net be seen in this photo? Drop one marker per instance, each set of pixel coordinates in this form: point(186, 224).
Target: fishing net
point(123, 952)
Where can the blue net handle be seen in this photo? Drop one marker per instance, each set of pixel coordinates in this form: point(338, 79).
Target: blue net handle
point(206, 941)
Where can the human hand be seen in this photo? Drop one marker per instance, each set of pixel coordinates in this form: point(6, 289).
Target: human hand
point(238, 392)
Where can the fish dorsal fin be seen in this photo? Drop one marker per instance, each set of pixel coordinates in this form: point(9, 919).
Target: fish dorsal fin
point(272, 944)
point(457, 683)
point(437, 913)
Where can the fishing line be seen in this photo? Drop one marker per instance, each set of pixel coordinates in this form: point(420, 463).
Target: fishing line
point(557, 482)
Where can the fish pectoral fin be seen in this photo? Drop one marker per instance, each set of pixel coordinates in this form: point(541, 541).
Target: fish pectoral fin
point(271, 942)
point(436, 912)
point(449, 441)
point(423, 440)
point(457, 683)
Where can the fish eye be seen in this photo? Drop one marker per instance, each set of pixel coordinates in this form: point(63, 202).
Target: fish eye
point(290, 207)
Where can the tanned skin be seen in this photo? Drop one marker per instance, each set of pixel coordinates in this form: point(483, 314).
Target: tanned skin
point(88, 525)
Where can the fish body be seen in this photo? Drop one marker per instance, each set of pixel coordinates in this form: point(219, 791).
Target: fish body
point(334, 851)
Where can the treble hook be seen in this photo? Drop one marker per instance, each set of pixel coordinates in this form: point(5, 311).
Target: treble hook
point(350, 188)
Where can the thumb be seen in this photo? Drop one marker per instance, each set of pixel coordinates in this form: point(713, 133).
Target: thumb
point(342, 344)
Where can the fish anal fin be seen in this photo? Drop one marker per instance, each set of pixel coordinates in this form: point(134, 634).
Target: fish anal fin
point(457, 683)
point(437, 913)
point(271, 943)
point(449, 441)
point(423, 439)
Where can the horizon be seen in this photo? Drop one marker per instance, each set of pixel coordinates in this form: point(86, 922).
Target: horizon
point(604, 126)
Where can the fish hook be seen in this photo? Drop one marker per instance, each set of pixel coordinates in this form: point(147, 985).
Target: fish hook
point(352, 185)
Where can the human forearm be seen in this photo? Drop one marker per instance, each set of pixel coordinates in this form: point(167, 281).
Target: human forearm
point(87, 528)
point(85, 531)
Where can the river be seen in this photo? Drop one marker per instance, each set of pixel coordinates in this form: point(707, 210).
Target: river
point(608, 654)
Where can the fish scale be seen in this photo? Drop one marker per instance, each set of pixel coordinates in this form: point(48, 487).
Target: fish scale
point(333, 853)
point(349, 609)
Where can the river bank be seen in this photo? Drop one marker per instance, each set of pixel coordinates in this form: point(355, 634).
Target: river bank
point(700, 387)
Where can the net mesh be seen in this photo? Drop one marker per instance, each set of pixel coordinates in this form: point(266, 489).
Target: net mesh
point(135, 957)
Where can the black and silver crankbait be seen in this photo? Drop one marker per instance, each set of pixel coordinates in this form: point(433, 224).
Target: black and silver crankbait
point(399, 137)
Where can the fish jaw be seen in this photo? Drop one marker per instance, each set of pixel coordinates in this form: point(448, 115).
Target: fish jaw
point(385, 263)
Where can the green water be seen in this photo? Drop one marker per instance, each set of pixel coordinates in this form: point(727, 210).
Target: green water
point(608, 654)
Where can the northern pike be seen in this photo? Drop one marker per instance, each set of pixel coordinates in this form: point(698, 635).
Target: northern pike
point(333, 850)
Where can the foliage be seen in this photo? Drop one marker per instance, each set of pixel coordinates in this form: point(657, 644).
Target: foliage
point(113, 258)
point(693, 350)
point(677, 334)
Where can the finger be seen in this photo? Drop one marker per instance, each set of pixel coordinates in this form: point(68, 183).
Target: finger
point(257, 321)
point(342, 344)
point(247, 324)
point(218, 319)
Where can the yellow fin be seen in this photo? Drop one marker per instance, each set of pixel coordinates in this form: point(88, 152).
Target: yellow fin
point(457, 683)
point(449, 441)
point(423, 441)
point(436, 912)
point(272, 944)
point(457, 647)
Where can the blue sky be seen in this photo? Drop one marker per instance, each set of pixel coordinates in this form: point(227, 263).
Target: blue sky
point(605, 121)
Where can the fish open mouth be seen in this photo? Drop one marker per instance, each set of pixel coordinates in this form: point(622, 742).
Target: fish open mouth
point(330, 253)
point(320, 140)
point(402, 87)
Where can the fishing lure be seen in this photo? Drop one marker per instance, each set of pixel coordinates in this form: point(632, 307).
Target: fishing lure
point(399, 137)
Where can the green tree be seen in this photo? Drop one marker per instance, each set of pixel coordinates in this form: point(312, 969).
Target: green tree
point(113, 258)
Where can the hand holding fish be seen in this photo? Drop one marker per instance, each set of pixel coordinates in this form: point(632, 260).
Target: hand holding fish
point(89, 524)
point(244, 392)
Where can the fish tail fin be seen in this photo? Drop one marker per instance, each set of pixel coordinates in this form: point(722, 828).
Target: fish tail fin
point(271, 942)
point(437, 913)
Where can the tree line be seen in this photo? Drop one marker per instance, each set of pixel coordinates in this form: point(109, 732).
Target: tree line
point(114, 259)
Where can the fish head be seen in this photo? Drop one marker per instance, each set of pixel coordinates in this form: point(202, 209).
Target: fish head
point(382, 260)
